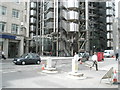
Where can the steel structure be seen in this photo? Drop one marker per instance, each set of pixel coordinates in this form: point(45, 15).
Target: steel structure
point(64, 27)
point(110, 15)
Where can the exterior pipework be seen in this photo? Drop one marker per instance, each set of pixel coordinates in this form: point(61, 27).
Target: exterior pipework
point(72, 14)
point(71, 21)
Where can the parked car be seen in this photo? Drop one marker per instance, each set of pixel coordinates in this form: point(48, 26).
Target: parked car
point(84, 56)
point(108, 53)
point(29, 58)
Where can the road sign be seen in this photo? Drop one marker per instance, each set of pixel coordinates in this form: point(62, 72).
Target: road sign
point(108, 75)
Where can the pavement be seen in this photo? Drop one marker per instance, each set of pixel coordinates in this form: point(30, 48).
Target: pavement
point(93, 77)
point(103, 66)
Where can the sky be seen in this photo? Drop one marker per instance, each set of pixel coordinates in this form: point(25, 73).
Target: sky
point(116, 2)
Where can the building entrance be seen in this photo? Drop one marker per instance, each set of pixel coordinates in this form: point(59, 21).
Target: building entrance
point(13, 49)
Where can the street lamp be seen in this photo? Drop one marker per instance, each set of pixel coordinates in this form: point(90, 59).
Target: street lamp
point(37, 40)
point(93, 49)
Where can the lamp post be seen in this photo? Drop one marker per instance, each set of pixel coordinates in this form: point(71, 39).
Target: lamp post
point(42, 27)
point(93, 49)
point(38, 41)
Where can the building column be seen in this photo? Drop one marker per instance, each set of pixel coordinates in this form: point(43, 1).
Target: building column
point(5, 46)
point(87, 46)
point(27, 46)
point(115, 35)
point(21, 46)
point(72, 53)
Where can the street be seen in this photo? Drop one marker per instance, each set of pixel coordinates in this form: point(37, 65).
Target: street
point(31, 76)
point(59, 44)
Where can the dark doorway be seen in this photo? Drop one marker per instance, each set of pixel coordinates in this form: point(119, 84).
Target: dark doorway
point(13, 49)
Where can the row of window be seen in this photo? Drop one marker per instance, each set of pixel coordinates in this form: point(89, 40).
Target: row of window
point(15, 13)
point(14, 27)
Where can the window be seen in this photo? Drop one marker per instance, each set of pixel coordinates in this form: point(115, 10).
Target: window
point(109, 4)
point(25, 18)
point(14, 28)
point(2, 26)
point(25, 5)
point(109, 27)
point(109, 11)
point(2, 10)
point(109, 19)
point(15, 13)
point(16, 1)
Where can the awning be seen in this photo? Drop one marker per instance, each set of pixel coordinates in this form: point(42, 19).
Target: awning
point(7, 36)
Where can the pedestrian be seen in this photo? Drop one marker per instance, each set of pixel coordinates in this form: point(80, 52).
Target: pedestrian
point(95, 61)
point(75, 62)
point(76, 56)
point(117, 55)
point(3, 55)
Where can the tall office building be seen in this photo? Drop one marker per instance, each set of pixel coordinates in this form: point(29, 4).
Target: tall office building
point(64, 27)
point(119, 23)
point(110, 15)
point(97, 26)
point(14, 23)
point(116, 31)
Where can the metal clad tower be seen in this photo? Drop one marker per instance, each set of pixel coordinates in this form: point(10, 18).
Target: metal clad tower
point(70, 26)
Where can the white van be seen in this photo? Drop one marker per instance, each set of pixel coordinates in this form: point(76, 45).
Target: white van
point(109, 53)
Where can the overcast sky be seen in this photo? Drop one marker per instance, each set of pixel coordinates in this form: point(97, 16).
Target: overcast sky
point(117, 7)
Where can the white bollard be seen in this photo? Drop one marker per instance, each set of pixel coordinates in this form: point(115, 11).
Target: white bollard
point(74, 66)
point(75, 74)
point(49, 63)
point(49, 68)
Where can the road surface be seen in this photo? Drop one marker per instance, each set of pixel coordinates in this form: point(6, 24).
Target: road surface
point(31, 76)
